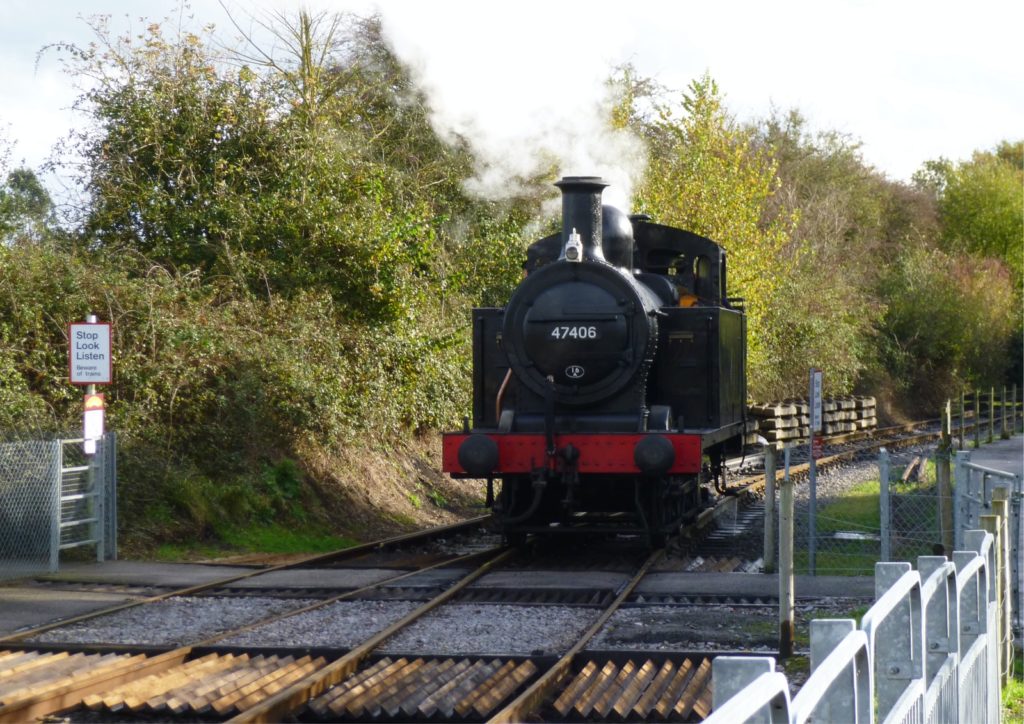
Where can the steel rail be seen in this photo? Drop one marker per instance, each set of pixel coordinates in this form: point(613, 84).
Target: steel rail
point(342, 554)
point(535, 694)
point(70, 694)
point(295, 696)
point(344, 596)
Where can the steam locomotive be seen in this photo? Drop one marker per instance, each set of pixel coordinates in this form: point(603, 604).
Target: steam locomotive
point(609, 390)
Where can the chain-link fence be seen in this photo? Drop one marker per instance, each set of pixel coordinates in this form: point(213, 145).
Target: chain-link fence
point(859, 521)
point(55, 498)
point(29, 499)
point(978, 491)
point(910, 509)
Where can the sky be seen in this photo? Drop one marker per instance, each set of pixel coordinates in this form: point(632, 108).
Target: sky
point(912, 81)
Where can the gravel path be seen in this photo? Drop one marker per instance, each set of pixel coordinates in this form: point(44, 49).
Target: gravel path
point(174, 622)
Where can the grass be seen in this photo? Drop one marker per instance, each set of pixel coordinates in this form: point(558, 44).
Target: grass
point(278, 539)
point(259, 538)
point(1013, 692)
point(856, 511)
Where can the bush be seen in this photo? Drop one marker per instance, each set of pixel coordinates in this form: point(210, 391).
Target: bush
point(947, 326)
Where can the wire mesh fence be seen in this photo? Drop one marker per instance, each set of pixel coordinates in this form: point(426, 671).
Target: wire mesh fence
point(54, 498)
point(29, 499)
point(859, 522)
point(914, 528)
point(847, 534)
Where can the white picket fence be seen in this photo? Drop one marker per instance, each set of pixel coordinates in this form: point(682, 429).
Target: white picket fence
point(927, 651)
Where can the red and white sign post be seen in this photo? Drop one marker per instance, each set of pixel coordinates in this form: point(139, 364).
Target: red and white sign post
point(90, 364)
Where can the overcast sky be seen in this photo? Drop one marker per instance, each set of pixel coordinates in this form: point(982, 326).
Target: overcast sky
point(911, 80)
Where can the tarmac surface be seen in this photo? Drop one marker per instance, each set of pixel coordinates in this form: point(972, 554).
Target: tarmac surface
point(1005, 455)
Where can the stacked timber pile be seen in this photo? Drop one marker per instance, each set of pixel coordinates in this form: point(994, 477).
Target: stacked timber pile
point(790, 420)
point(848, 414)
point(786, 421)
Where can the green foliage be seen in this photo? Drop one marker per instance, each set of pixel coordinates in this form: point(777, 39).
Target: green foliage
point(283, 539)
point(1013, 690)
point(821, 312)
point(946, 323)
point(319, 170)
point(705, 175)
point(981, 204)
point(24, 206)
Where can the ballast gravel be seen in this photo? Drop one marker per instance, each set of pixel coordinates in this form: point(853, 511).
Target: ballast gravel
point(494, 629)
point(839, 479)
point(711, 627)
point(452, 629)
point(340, 625)
point(173, 622)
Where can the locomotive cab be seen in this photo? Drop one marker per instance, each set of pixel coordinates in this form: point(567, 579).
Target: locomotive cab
point(608, 389)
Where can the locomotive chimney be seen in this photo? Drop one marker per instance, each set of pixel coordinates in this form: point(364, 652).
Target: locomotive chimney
point(581, 212)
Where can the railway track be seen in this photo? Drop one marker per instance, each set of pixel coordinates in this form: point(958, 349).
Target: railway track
point(213, 678)
point(210, 681)
point(152, 594)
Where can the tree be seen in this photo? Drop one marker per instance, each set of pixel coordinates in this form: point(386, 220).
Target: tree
point(317, 171)
point(947, 321)
point(25, 206)
point(706, 175)
point(980, 203)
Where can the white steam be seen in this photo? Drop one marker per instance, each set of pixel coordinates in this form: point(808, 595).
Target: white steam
point(526, 88)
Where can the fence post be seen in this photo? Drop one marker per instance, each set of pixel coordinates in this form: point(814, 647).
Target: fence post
point(1001, 509)
point(963, 420)
point(991, 524)
point(840, 703)
point(769, 508)
point(57, 460)
point(96, 488)
point(1017, 506)
point(942, 483)
point(977, 418)
point(786, 595)
point(899, 651)
point(940, 627)
point(1013, 417)
point(883, 502)
point(110, 472)
point(1004, 431)
point(731, 674)
point(960, 484)
point(946, 423)
point(991, 414)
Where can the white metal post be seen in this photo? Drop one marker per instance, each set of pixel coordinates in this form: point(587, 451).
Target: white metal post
point(57, 460)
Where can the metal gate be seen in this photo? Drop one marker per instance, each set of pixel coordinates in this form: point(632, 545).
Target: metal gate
point(55, 498)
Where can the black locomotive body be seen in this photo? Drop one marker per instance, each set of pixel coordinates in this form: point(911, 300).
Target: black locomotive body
point(608, 391)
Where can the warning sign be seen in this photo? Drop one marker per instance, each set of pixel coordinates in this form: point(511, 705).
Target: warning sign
point(89, 353)
point(817, 445)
